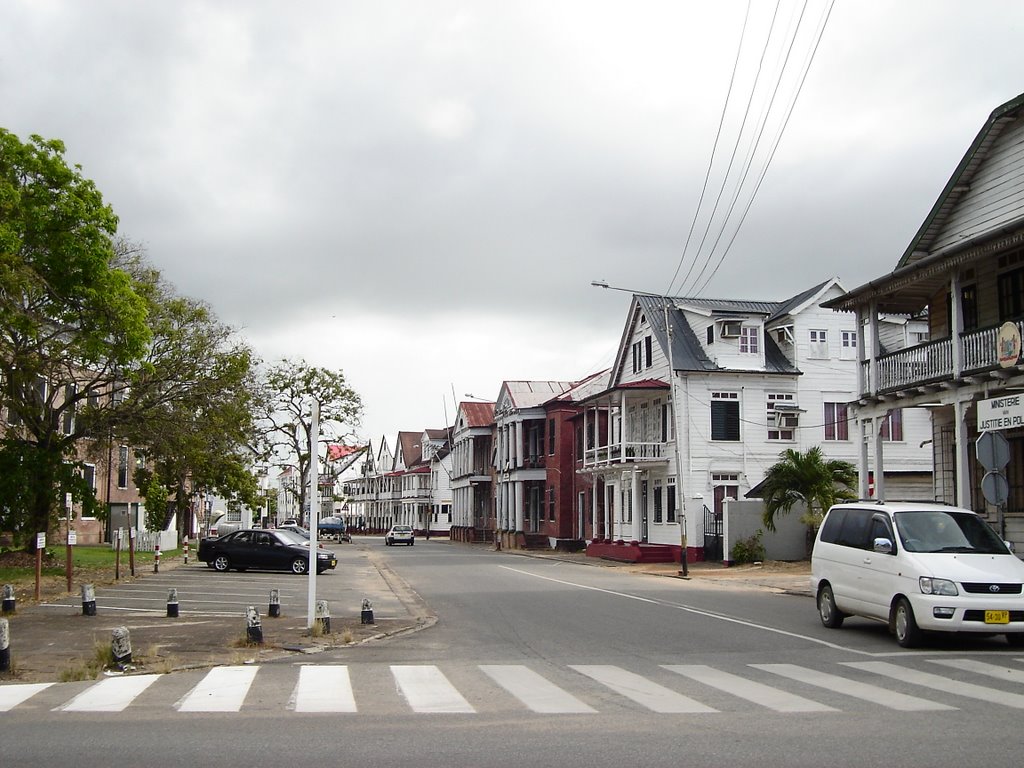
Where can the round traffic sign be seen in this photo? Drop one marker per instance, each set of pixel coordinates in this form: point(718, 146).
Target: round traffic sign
point(995, 488)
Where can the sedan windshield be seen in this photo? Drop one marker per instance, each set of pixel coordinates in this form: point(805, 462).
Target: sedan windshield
point(291, 537)
point(942, 531)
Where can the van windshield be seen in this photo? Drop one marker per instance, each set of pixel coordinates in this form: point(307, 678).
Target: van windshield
point(941, 531)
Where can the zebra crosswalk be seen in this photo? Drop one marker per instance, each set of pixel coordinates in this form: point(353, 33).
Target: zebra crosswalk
point(918, 685)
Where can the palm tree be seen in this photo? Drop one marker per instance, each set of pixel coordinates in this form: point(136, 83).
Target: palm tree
point(806, 478)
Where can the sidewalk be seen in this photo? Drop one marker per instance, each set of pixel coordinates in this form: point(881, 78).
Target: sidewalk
point(50, 646)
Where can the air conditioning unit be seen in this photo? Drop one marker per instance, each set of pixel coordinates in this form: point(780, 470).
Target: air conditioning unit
point(787, 420)
point(731, 329)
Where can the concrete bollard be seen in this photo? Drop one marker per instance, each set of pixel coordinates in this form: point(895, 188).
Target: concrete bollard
point(275, 604)
point(185, 550)
point(367, 614)
point(172, 603)
point(156, 560)
point(253, 627)
point(88, 600)
point(121, 646)
point(323, 617)
point(5, 645)
point(10, 603)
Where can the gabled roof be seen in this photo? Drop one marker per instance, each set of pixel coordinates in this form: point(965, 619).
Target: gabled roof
point(920, 272)
point(802, 299)
point(591, 385)
point(477, 414)
point(530, 394)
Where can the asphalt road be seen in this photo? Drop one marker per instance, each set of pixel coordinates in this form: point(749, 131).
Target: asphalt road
point(538, 662)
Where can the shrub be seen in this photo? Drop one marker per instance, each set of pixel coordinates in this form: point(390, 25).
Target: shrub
point(749, 550)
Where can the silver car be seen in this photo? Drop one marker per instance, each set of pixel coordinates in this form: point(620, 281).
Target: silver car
point(400, 534)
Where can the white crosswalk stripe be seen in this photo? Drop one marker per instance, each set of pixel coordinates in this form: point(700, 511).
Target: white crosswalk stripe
point(758, 693)
point(983, 668)
point(323, 688)
point(222, 690)
point(656, 698)
point(111, 695)
point(13, 695)
point(939, 683)
point(425, 688)
point(885, 697)
point(428, 690)
point(536, 692)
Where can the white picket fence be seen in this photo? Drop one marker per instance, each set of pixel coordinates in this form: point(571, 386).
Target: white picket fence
point(146, 541)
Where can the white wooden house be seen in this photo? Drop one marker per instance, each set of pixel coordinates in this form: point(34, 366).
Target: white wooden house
point(703, 397)
point(963, 276)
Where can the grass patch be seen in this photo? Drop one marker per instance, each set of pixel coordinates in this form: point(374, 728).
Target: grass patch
point(90, 669)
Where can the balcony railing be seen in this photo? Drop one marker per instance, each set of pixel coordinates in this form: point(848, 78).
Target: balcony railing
point(933, 361)
point(619, 454)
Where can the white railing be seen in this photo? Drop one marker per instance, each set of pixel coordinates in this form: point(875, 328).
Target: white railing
point(619, 454)
point(933, 361)
point(146, 541)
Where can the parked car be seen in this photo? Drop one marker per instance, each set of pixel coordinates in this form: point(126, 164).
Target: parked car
point(333, 528)
point(260, 549)
point(294, 528)
point(400, 534)
point(917, 567)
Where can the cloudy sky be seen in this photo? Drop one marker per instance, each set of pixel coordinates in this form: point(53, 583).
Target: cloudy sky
point(419, 193)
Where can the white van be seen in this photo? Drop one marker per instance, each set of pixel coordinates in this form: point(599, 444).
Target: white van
point(917, 567)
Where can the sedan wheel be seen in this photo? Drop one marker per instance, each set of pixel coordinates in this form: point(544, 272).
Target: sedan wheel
point(221, 563)
point(299, 565)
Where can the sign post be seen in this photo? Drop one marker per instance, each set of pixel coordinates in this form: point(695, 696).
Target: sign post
point(72, 540)
point(993, 451)
point(40, 546)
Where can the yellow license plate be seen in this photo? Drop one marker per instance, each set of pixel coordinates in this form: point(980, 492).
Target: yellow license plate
point(335, 562)
point(997, 617)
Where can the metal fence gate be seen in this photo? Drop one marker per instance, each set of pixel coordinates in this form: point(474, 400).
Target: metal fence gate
point(713, 534)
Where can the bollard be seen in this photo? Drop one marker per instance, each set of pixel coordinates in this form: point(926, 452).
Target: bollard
point(323, 617)
point(367, 614)
point(5, 645)
point(186, 550)
point(253, 628)
point(156, 560)
point(172, 603)
point(88, 600)
point(121, 646)
point(10, 604)
point(275, 604)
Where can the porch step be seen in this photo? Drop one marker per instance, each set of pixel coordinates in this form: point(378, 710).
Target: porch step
point(634, 552)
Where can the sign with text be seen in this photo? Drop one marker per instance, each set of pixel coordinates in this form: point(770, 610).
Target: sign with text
point(41, 540)
point(1001, 413)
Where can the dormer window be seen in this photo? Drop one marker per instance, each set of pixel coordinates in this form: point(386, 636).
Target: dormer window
point(750, 340)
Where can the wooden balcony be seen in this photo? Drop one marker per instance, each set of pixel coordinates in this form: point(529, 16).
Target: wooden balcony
point(932, 362)
point(630, 452)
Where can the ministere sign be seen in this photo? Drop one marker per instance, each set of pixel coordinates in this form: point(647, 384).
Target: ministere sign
point(1001, 413)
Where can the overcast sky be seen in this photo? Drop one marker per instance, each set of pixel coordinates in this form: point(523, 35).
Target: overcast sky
point(419, 193)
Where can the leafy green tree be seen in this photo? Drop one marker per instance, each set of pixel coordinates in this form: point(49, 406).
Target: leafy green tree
point(193, 405)
point(808, 479)
point(71, 325)
point(290, 387)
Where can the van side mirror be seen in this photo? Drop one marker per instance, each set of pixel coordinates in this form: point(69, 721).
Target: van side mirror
point(883, 546)
point(1009, 546)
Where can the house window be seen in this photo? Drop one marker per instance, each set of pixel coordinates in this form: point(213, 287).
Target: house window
point(657, 501)
point(781, 425)
point(892, 426)
point(89, 474)
point(551, 437)
point(670, 501)
point(122, 466)
point(551, 503)
point(638, 359)
point(750, 336)
point(648, 351)
point(819, 343)
point(836, 422)
point(725, 416)
point(711, 334)
point(1010, 287)
point(969, 306)
point(848, 345)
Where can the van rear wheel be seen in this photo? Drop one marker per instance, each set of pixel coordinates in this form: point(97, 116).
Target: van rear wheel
point(831, 616)
point(908, 634)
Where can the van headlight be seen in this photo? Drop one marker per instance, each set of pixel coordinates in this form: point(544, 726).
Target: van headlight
point(930, 586)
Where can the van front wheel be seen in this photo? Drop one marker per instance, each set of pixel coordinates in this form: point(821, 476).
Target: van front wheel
point(908, 634)
point(831, 616)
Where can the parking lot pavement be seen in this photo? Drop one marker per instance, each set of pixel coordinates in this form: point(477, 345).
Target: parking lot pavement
point(54, 641)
